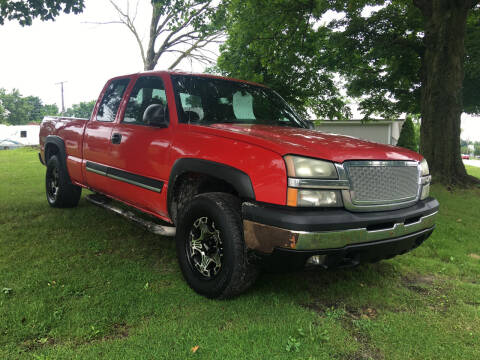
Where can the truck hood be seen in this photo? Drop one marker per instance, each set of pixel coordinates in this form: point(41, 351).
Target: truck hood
point(311, 143)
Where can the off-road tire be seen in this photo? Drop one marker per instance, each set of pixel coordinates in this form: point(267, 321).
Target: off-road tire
point(236, 274)
point(61, 193)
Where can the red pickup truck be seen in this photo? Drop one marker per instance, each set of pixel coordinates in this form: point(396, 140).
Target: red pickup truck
point(239, 176)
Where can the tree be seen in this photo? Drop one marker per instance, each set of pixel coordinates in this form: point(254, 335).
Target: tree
point(442, 79)
point(3, 113)
point(50, 110)
point(25, 11)
point(409, 57)
point(18, 110)
point(471, 88)
point(181, 27)
point(277, 43)
point(407, 135)
point(81, 110)
point(476, 151)
point(402, 56)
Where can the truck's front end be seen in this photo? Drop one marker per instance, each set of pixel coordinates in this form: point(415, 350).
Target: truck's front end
point(343, 214)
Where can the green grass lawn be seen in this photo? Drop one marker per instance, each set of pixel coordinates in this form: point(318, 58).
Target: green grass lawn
point(473, 170)
point(85, 283)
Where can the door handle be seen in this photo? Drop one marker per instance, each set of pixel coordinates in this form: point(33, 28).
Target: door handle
point(116, 138)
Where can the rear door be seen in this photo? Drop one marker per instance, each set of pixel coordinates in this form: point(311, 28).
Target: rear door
point(140, 157)
point(97, 141)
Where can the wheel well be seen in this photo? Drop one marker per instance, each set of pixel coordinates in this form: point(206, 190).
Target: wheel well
point(190, 184)
point(50, 150)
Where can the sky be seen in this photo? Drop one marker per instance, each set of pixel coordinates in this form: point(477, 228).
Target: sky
point(35, 58)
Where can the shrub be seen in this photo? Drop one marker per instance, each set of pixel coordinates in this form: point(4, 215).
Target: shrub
point(407, 135)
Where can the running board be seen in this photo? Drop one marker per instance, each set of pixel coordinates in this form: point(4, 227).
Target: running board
point(157, 229)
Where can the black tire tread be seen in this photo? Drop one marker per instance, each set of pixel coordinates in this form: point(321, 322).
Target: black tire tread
point(69, 194)
point(244, 273)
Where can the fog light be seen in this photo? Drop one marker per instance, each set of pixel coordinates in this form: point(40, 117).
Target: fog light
point(316, 260)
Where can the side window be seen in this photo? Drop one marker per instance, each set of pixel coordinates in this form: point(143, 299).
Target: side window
point(148, 90)
point(111, 100)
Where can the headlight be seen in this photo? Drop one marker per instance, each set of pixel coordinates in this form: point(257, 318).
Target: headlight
point(425, 191)
point(424, 167)
point(425, 179)
point(314, 198)
point(307, 168)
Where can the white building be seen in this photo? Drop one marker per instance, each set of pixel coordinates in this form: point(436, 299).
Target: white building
point(18, 135)
point(380, 131)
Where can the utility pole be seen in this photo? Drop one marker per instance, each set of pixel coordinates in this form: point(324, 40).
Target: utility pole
point(63, 102)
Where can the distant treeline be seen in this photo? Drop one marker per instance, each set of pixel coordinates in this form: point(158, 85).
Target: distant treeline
point(16, 109)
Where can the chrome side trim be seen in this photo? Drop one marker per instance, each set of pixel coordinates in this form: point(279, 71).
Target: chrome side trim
point(99, 172)
point(318, 184)
point(127, 177)
point(133, 182)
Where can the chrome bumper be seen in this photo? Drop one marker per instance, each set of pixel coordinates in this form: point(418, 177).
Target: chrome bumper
point(265, 238)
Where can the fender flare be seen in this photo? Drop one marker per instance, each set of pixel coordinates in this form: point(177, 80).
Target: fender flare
point(60, 145)
point(237, 178)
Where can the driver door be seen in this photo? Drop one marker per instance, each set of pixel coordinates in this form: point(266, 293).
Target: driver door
point(139, 154)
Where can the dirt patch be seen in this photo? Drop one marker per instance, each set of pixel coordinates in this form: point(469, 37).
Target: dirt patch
point(421, 284)
point(120, 332)
point(322, 307)
point(362, 313)
point(356, 321)
point(366, 355)
point(473, 303)
point(474, 256)
point(33, 344)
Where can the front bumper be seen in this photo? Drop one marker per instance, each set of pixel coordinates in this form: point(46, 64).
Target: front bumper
point(281, 233)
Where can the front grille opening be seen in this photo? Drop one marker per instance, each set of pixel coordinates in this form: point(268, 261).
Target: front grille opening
point(382, 226)
point(412, 220)
point(382, 184)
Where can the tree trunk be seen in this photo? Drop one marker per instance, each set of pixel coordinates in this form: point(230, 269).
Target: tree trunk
point(441, 100)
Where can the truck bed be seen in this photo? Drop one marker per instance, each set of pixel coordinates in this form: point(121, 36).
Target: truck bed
point(72, 130)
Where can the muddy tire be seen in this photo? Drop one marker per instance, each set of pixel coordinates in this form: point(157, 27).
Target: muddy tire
point(61, 193)
point(210, 246)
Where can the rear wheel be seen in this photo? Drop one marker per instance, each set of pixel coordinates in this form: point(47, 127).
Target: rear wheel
point(60, 191)
point(210, 246)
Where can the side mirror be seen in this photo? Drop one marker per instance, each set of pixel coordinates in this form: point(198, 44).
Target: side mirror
point(156, 115)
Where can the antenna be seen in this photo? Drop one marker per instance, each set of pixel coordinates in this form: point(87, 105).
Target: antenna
point(63, 102)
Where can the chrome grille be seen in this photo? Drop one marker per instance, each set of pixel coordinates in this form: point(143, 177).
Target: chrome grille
point(382, 182)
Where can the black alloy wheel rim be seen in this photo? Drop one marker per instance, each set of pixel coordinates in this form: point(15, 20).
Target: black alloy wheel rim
point(53, 184)
point(205, 248)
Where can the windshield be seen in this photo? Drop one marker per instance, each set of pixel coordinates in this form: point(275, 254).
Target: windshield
point(205, 101)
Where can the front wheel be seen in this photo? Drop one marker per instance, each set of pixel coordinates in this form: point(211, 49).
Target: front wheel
point(210, 246)
point(60, 191)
